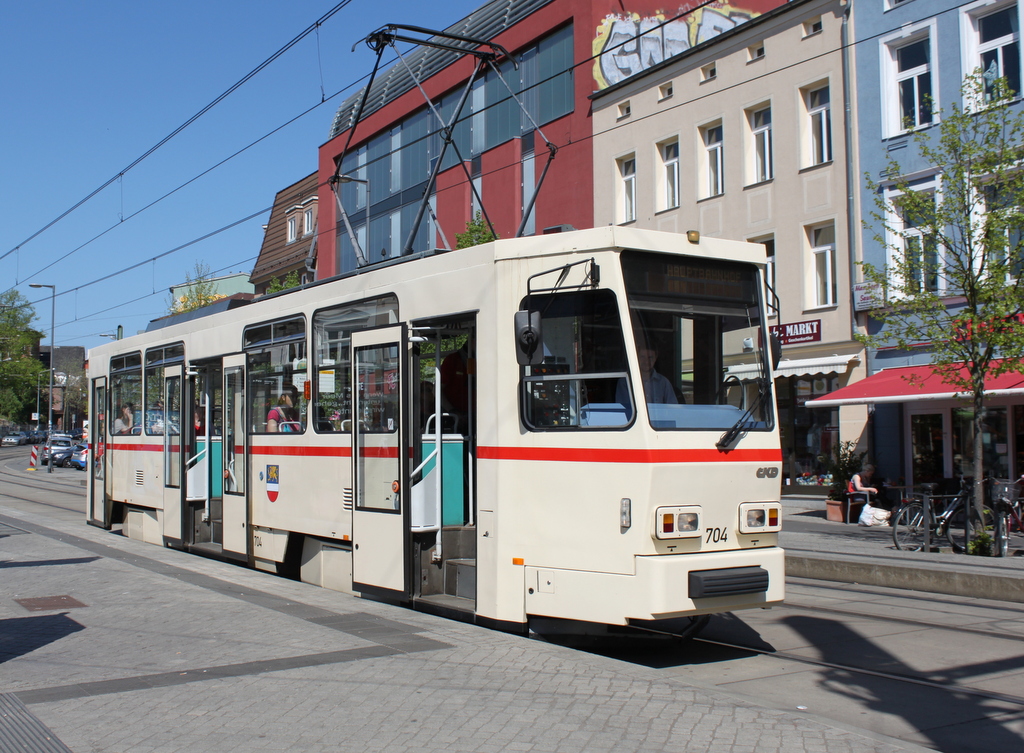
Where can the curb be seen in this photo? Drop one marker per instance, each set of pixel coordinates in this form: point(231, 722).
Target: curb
point(847, 570)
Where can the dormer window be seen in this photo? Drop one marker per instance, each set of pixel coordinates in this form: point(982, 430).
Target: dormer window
point(293, 227)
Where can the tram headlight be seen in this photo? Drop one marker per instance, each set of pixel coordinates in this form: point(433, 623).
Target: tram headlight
point(760, 517)
point(677, 522)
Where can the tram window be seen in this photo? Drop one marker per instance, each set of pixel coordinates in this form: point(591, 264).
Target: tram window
point(332, 333)
point(702, 319)
point(276, 359)
point(584, 364)
point(126, 392)
point(156, 360)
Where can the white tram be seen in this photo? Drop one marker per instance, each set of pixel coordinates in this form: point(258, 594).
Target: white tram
point(577, 426)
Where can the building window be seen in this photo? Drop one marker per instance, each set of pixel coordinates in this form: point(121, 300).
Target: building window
point(665, 91)
point(820, 113)
point(709, 72)
point(812, 26)
point(909, 81)
point(755, 52)
point(1004, 232)
point(993, 45)
point(293, 223)
point(761, 129)
point(669, 152)
point(823, 255)
point(714, 166)
point(914, 251)
point(625, 109)
point(627, 177)
point(307, 222)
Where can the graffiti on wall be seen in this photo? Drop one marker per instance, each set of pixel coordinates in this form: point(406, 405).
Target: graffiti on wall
point(627, 44)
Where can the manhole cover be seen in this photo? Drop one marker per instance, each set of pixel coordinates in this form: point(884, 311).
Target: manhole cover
point(49, 603)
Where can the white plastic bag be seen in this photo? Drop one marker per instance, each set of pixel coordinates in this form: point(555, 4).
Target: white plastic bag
point(874, 516)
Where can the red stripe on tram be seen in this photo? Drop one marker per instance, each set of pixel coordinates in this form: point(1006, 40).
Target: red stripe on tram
point(608, 455)
point(302, 451)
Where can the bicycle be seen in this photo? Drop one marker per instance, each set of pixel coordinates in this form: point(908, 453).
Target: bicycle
point(1009, 514)
point(908, 522)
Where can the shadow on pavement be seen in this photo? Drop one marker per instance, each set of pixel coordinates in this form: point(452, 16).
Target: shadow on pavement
point(23, 635)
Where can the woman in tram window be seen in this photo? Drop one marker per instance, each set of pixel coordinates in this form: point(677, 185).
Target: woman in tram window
point(285, 416)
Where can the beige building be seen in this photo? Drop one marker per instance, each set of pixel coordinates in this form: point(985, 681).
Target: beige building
point(744, 137)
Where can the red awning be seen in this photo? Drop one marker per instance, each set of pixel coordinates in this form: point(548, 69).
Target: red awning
point(893, 386)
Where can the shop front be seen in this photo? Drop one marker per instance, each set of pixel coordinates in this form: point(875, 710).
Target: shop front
point(935, 426)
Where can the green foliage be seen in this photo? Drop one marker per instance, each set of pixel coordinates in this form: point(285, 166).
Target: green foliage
point(477, 231)
point(197, 291)
point(19, 369)
point(981, 544)
point(291, 280)
point(954, 279)
point(842, 463)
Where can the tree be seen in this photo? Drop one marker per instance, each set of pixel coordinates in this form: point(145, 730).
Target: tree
point(290, 281)
point(954, 278)
point(18, 366)
point(197, 291)
point(478, 230)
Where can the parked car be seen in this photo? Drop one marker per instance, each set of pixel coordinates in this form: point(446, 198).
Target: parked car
point(59, 448)
point(79, 458)
point(14, 438)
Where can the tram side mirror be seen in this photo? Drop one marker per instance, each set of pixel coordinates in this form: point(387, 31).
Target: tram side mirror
point(776, 346)
point(528, 338)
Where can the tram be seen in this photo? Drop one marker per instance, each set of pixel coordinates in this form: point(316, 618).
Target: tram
point(574, 428)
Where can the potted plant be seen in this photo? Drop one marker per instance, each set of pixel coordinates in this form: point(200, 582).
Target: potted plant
point(843, 462)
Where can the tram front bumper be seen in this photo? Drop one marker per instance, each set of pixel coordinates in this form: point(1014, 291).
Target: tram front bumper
point(662, 587)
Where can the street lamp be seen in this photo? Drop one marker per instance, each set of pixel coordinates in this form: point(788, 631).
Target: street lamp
point(53, 359)
point(360, 256)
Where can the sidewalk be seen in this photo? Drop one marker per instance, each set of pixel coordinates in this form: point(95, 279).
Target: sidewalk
point(821, 549)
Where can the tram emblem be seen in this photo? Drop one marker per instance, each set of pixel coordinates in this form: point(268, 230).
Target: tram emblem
point(273, 477)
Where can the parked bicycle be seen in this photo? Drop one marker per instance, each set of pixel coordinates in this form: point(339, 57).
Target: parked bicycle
point(1009, 514)
point(948, 519)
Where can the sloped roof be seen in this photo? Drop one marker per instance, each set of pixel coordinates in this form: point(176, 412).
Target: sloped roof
point(485, 22)
point(277, 256)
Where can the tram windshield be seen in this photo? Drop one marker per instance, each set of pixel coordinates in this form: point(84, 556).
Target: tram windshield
point(699, 341)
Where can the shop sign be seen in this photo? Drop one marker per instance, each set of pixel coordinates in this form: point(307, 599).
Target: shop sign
point(798, 332)
point(867, 296)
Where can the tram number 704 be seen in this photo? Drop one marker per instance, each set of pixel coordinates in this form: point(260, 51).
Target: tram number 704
point(714, 535)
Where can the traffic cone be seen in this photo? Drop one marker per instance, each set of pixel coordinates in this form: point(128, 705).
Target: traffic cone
point(35, 458)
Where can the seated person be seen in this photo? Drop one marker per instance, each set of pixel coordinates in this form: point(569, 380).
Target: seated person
point(657, 388)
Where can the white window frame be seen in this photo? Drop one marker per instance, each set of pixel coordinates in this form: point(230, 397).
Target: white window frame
point(823, 264)
point(626, 168)
point(897, 242)
point(307, 221)
point(987, 209)
point(819, 124)
point(891, 77)
point(714, 159)
point(972, 46)
point(293, 228)
point(668, 194)
point(770, 275)
point(761, 142)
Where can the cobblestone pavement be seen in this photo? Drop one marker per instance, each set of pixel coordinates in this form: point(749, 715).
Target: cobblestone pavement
point(150, 649)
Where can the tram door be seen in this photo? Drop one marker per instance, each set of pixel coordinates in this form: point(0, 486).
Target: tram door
point(174, 379)
point(233, 469)
point(100, 505)
point(204, 456)
point(380, 462)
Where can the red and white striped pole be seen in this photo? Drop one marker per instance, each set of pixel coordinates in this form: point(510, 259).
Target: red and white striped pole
point(35, 458)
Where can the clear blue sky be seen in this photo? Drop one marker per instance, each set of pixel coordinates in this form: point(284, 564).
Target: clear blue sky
point(88, 88)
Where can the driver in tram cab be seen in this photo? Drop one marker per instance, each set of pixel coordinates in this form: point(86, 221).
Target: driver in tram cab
point(657, 388)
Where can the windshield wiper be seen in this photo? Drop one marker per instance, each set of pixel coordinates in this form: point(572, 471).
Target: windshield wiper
point(763, 391)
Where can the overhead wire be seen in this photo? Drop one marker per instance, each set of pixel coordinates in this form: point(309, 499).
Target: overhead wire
point(313, 27)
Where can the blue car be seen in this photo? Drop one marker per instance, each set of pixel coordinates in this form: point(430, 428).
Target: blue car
point(79, 458)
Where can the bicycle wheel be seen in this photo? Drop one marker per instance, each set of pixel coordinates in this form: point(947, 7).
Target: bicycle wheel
point(955, 526)
point(908, 527)
point(1002, 534)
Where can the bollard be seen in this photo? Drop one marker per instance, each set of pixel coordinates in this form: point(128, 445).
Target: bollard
point(35, 458)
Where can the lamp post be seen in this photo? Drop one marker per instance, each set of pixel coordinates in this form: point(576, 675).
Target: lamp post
point(53, 359)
